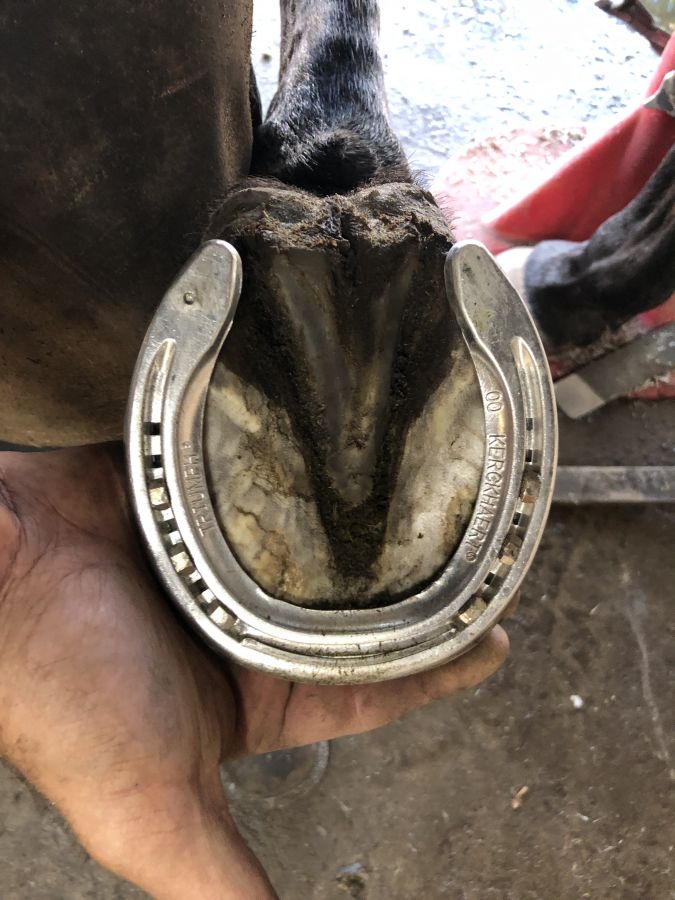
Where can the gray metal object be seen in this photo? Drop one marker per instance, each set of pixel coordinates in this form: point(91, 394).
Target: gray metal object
point(616, 374)
point(580, 485)
point(200, 571)
point(664, 97)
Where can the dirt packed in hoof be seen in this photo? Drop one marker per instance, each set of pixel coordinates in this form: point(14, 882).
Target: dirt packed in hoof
point(343, 445)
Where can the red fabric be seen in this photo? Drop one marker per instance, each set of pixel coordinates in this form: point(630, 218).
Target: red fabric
point(482, 174)
point(595, 180)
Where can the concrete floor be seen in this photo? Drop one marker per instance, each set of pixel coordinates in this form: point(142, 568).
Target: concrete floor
point(582, 715)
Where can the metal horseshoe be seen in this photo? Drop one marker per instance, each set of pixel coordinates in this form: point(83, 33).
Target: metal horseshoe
point(164, 438)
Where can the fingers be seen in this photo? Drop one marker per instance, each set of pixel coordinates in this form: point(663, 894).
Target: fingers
point(296, 714)
point(376, 705)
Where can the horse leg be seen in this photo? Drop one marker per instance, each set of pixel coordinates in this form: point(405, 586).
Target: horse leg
point(580, 291)
point(327, 129)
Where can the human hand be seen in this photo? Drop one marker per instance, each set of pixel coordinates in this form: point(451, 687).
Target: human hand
point(118, 714)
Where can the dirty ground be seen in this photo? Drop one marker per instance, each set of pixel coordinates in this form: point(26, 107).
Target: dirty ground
point(555, 779)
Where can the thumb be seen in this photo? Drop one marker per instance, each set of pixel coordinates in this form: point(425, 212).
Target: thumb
point(178, 842)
